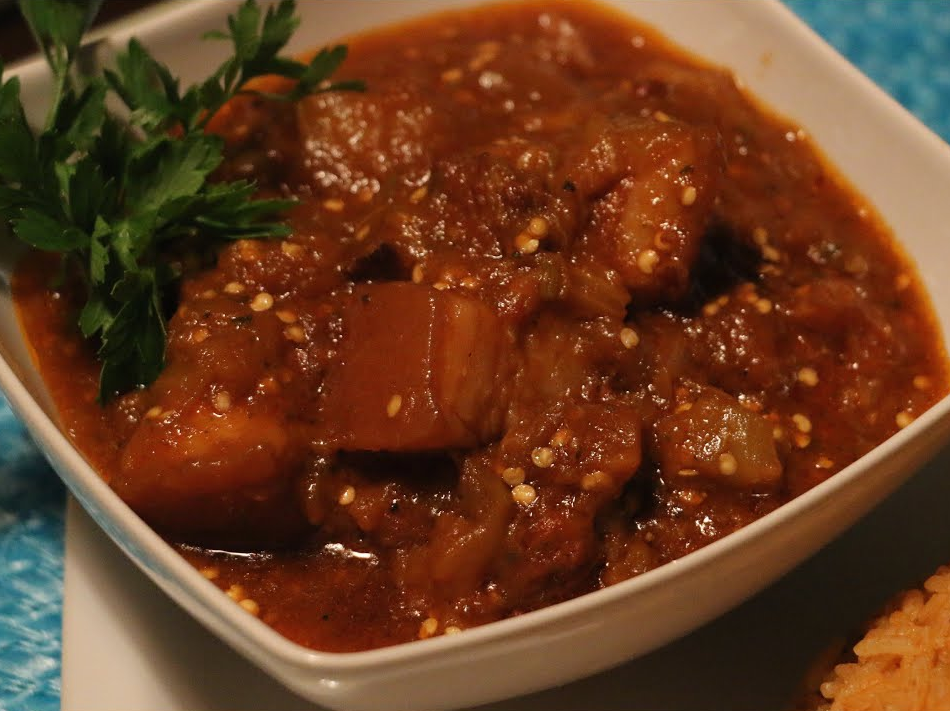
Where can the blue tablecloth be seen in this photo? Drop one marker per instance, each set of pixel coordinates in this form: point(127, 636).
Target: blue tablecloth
point(903, 45)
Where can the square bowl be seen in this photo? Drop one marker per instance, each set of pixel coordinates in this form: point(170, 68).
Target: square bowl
point(793, 72)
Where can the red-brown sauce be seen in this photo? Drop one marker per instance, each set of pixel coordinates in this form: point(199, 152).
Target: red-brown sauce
point(560, 306)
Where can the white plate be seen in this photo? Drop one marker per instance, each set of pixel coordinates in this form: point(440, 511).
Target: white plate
point(905, 176)
point(127, 647)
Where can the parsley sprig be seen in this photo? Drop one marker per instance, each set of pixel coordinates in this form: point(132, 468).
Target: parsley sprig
point(112, 194)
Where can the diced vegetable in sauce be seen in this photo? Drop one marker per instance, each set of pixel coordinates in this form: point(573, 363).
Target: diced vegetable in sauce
point(559, 306)
point(715, 439)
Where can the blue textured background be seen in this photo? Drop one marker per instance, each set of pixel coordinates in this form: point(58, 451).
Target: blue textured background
point(903, 46)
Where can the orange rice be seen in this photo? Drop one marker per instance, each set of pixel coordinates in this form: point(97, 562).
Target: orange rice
point(903, 662)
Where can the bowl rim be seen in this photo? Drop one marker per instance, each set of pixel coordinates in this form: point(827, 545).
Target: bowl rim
point(104, 505)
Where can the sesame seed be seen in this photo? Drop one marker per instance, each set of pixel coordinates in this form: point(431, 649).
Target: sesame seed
point(347, 496)
point(250, 606)
point(683, 407)
point(200, 334)
point(452, 629)
point(222, 401)
point(750, 403)
point(365, 194)
point(210, 573)
point(808, 376)
point(857, 265)
point(524, 494)
point(629, 338)
point(728, 465)
point(233, 287)
point(526, 244)
point(418, 195)
point(295, 333)
point(763, 306)
point(543, 457)
point(595, 480)
point(235, 592)
point(560, 438)
point(691, 497)
point(777, 433)
point(290, 249)
point(711, 309)
point(760, 236)
point(688, 196)
point(362, 233)
point(394, 405)
point(662, 116)
point(801, 422)
point(802, 440)
point(484, 53)
point(513, 476)
point(153, 413)
point(824, 463)
point(469, 282)
point(333, 205)
point(688, 472)
point(902, 282)
point(262, 302)
point(647, 259)
point(452, 76)
point(922, 382)
point(771, 254)
point(903, 418)
point(440, 286)
point(428, 628)
point(285, 315)
point(538, 226)
point(209, 294)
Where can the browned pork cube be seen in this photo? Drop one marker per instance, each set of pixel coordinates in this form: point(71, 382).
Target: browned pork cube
point(713, 438)
point(212, 477)
point(418, 369)
point(352, 140)
point(656, 183)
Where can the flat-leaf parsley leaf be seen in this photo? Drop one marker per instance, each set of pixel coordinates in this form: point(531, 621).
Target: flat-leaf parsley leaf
point(113, 194)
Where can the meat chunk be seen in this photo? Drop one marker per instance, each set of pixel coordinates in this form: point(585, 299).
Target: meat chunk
point(712, 438)
point(353, 140)
point(591, 447)
point(657, 182)
point(463, 545)
point(213, 476)
point(483, 199)
point(418, 369)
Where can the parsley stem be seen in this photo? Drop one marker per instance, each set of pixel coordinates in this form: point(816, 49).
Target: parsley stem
point(60, 81)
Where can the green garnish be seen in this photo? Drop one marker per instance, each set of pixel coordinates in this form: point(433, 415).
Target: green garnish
point(113, 194)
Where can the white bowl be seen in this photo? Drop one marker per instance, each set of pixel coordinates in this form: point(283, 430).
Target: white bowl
point(891, 158)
